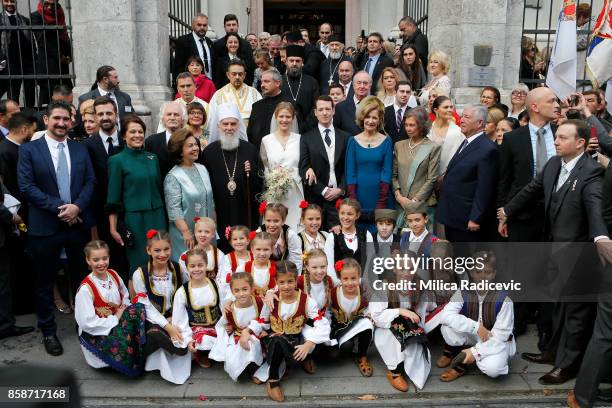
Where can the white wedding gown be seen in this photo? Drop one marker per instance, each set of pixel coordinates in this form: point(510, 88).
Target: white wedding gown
point(287, 158)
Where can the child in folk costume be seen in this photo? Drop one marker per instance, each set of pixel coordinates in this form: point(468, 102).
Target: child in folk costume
point(380, 244)
point(351, 327)
point(111, 331)
point(317, 284)
point(400, 338)
point(261, 268)
point(286, 245)
point(155, 284)
point(238, 237)
point(312, 238)
point(241, 347)
point(477, 327)
point(351, 240)
point(417, 238)
point(196, 309)
point(205, 230)
point(295, 328)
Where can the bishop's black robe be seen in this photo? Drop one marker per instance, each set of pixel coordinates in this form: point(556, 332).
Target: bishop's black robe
point(261, 117)
point(233, 209)
point(305, 99)
point(328, 66)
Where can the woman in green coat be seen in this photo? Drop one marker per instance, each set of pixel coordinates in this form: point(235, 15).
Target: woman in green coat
point(135, 194)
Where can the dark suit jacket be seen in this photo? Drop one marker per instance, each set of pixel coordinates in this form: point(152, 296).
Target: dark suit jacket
point(313, 155)
point(9, 153)
point(185, 47)
point(313, 57)
point(516, 168)
point(421, 44)
point(467, 192)
point(577, 215)
point(157, 144)
point(221, 64)
point(326, 67)
point(99, 160)
point(38, 183)
point(383, 62)
point(261, 117)
point(391, 124)
point(344, 118)
point(124, 101)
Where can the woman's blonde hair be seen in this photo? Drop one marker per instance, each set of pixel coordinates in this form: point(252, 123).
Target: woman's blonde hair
point(442, 58)
point(495, 115)
point(381, 88)
point(366, 106)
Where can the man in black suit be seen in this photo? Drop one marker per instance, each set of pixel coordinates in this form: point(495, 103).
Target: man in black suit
point(344, 118)
point(230, 25)
point(173, 118)
point(523, 154)
point(374, 59)
point(17, 53)
point(15, 266)
point(100, 146)
point(263, 110)
point(21, 128)
point(412, 34)
point(570, 185)
point(394, 114)
point(323, 149)
point(346, 70)
point(107, 84)
point(194, 44)
point(598, 355)
point(467, 195)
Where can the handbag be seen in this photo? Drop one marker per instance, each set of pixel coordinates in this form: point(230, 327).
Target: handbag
point(126, 234)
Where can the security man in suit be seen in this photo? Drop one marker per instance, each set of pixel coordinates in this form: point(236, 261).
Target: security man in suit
point(107, 84)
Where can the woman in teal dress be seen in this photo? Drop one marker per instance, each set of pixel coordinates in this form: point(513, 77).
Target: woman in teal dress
point(135, 197)
point(369, 163)
point(187, 190)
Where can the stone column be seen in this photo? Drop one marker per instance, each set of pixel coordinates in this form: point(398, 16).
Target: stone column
point(456, 27)
point(217, 9)
point(132, 37)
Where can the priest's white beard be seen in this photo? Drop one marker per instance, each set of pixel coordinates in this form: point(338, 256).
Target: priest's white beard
point(229, 141)
point(335, 55)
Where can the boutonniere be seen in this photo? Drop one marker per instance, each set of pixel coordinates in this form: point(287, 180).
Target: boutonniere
point(574, 185)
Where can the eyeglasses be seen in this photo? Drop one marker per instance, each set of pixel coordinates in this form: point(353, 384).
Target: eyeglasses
point(196, 113)
point(518, 93)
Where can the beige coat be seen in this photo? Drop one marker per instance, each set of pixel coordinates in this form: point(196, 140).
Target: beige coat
point(426, 173)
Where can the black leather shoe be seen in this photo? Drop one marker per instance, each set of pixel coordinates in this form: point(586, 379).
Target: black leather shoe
point(53, 345)
point(557, 376)
point(15, 331)
point(539, 358)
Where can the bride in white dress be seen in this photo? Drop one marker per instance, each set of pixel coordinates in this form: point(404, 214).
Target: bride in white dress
point(281, 148)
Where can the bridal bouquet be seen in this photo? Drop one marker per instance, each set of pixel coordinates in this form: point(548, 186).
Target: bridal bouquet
point(278, 182)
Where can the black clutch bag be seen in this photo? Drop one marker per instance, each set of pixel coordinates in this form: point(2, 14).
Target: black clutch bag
point(126, 234)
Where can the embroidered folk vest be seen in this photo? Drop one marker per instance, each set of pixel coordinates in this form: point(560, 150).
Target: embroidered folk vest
point(491, 306)
point(271, 284)
point(294, 323)
point(103, 307)
point(234, 260)
point(231, 320)
point(207, 315)
point(158, 300)
point(303, 285)
point(342, 316)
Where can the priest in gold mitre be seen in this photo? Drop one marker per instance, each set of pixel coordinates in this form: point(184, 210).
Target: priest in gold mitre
point(236, 92)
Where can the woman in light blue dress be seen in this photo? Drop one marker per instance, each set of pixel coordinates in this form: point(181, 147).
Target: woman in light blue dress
point(187, 190)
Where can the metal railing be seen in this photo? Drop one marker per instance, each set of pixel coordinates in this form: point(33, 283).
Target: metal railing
point(418, 9)
point(35, 50)
point(180, 13)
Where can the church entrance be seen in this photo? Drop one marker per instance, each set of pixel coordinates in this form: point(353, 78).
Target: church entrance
point(281, 16)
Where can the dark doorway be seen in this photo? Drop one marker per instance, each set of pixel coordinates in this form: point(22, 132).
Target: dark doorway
point(281, 16)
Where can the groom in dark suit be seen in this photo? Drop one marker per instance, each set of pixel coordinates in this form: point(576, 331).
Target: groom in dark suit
point(100, 146)
point(570, 185)
point(323, 149)
point(57, 180)
point(466, 203)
